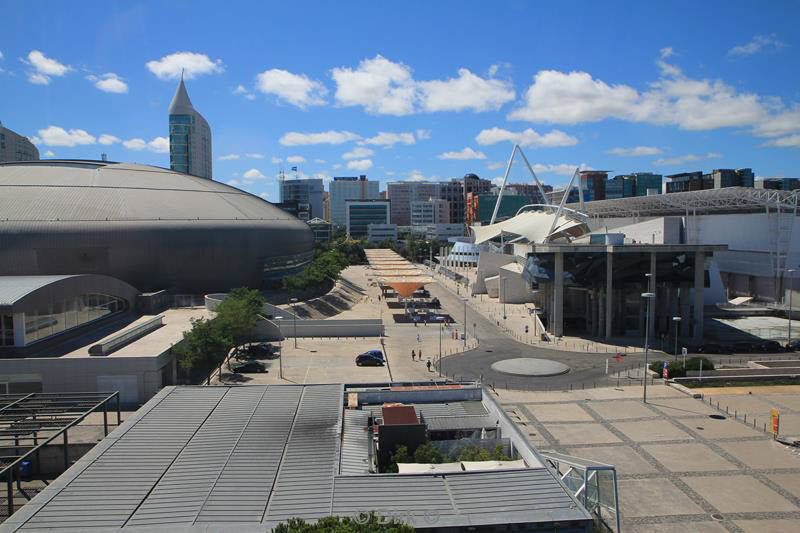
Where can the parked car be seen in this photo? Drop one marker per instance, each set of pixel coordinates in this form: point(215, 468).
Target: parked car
point(770, 347)
point(250, 367)
point(375, 353)
point(713, 348)
point(370, 359)
point(435, 304)
point(745, 347)
point(793, 346)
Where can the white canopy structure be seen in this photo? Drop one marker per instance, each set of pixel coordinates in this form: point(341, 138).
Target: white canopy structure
point(534, 227)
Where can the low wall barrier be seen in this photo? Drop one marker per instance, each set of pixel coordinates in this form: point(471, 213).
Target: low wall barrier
point(126, 337)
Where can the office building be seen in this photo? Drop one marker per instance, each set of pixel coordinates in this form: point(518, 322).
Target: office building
point(307, 193)
point(529, 191)
point(150, 227)
point(294, 208)
point(442, 232)
point(15, 147)
point(635, 184)
point(359, 214)
point(689, 181)
point(593, 184)
point(342, 189)
point(620, 187)
point(189, 137)
point(430, 211)
point(404, 193)
point(480, 207)
point(728, 177)
point(780, 184)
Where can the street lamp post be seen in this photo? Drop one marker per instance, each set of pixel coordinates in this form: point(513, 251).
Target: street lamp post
point(280, 348)
point(677, 321)
point(648, 296)
point(790, 271)
point(440, 346)
point(293, 301)
point(465, 323)
point(504, 298)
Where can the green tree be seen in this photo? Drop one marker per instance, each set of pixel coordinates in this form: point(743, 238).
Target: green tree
point(476, 453)
point(428, 453)
point(400, 455)
point(364, 523)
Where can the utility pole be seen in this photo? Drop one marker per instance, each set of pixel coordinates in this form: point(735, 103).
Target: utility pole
point(293, 301)
point(790, 271)
point(648, 296)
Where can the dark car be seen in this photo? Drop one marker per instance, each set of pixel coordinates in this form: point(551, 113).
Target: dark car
point(770, 347)
point(435, 304)
point(374, 353)
point(745, 347)
point(712, 348)
point(793, 346)
point(250, 367)
point(370, 359)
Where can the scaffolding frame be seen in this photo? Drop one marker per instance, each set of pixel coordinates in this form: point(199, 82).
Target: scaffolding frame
point(30, 421)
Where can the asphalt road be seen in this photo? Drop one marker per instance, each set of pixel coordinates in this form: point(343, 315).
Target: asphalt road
point(586, 369)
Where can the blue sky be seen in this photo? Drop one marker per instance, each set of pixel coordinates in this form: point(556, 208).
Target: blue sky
point(412, 90)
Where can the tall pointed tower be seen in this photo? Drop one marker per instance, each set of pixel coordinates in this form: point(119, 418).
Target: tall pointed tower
point(189, 137)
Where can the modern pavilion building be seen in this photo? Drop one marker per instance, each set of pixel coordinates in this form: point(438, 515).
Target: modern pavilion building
point(189, 137)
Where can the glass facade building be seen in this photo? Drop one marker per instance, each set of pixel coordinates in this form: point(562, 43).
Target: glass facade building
point(66, 314)
point(361, 214)
point(189, 137)
point(180, 128)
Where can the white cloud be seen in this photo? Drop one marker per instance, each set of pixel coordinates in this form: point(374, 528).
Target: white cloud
point(57, 136)
point(276, 160)
point(384, 87)
point(337, 166)
point(234, 183)
point(781, 123)
point(229, 157)
point(296, 89)
point(191, 64)
point(49, 153)
point(108, 139)
point(294, 138)
point(635, 151)
point(253, 174)
point(416, 175)
point(680, 160)
point(359, 164)
point(498, 181)
point(528, 137)
point(673, 99)
point(562, 169)
point(159, 145)
point(423, 135)
point(390, 139)
point(240, 89)
point(466, 153)
point(254, 155)
point(494, 166)
point(320, 161)
point(792, 141)
point(756, 45)
point(44, 67)
point(359, 152)
point(466, 92)
point(295, 159)
point(109, 83)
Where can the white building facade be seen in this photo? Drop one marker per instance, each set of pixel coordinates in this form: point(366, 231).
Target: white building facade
point(342, 189)
point(15, 147)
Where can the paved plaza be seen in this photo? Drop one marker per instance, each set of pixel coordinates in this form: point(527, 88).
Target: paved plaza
point(679, 469)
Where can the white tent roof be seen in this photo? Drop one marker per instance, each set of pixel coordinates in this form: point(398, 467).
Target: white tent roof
point(532, 226)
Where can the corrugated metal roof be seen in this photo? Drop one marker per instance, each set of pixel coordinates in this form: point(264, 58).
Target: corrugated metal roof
point(445, 423)
point(355, 443)
point(13, 288)
point(248, 457)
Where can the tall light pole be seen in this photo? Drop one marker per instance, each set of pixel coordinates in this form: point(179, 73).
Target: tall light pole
point(440, 346)
point(465, 324)
point(677, 321)
point(648, 296)
point(280, 348)
point(293, 301)
point(504, 298)
point(791, 286)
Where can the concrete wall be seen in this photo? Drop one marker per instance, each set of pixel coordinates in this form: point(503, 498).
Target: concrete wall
point(512, 288)
point(419, 396)
point(332, 328)
point(661, 230)
point(489, 264)
point(141, 377)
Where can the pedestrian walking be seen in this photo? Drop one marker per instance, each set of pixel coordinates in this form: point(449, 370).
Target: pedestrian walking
point(420, 354)
point(429, 365)
point(413, 355)
point(417, 337)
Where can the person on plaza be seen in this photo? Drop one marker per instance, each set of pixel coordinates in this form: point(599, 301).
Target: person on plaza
point(420, 354)
point(413, 355)
point(428, 363)
point(417, 337)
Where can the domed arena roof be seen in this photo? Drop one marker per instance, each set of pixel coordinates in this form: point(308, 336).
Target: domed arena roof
point(151, 227)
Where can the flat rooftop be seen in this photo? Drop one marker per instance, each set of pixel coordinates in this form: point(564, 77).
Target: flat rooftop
point(176, 321)
point(246, 458)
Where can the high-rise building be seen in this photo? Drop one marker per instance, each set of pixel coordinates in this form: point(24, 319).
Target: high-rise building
point(342, 189)
point(403, 193)
point(189, 137)
point(746, 177)
point(636, 184)
point(326, 206)
point(430, 211)
point(688, 181)
point(593, 184)
point(307, 193)
point(620, 187)
point(527, 190)
point(480, 207)
point(455, 192)
point(15, 147)
point(780, 184)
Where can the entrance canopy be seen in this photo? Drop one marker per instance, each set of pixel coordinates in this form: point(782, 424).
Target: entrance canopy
point(398, 273)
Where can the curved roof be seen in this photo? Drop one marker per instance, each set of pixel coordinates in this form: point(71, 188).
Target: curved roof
point(181, 105)
point(102, 191)
point(38, 291)
point(531, 226)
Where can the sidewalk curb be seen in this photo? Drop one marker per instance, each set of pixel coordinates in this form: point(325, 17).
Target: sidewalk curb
point(687, 391)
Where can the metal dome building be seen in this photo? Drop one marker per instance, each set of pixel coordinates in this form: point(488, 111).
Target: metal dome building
point(151, 227)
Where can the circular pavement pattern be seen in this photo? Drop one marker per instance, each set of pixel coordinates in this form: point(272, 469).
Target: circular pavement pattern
point(528, 366)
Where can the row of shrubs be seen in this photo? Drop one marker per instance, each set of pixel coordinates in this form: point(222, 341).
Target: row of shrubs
point(429, 454)
point(677, 368)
